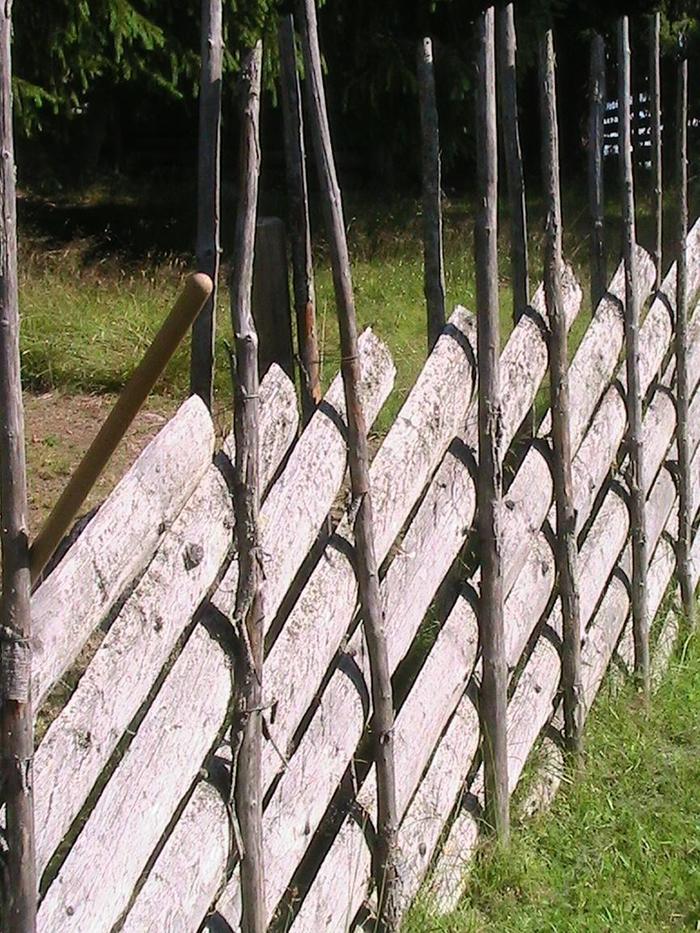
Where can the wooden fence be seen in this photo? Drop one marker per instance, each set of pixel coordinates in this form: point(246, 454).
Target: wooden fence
point(132, 775)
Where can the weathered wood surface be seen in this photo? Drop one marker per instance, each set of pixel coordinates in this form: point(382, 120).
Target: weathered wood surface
point(633, 388)
point(597, 94)
point(18, 895)
point(208, 194)
point(531, 704)
point(184, 678)
point(433, 412)
point(118, 542)
point(510, 132)
point(138, 644)
point(271, 309)
point(433, 260)
point(656, 142)
point(96, 880)
point(301, 498)
point(439, 688)
point(431, 543)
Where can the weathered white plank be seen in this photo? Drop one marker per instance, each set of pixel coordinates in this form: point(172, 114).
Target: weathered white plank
point(306, 787)
point(433, 412)
point(117, 543)
point(184, 680)
point(98, 876)
point(300, 500)
point(78, 744)
point(441, 683)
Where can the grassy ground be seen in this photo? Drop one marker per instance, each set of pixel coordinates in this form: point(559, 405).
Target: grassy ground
point(620, 851)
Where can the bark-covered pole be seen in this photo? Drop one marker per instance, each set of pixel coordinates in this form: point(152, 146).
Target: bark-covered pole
point(299, 223)
point(640, 615)
point(685, 486)
point(597, 92)
point(248, 612)
point(493, 697)
point(565, 547)
point(656, 156)
point(510, 134)
point(208, 196)
point(17, 748)
point(358, 456)
point(433, 262)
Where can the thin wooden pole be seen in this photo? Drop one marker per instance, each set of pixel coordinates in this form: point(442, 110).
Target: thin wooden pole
point(566, 548)
point(597, 94)
point(299, 222)
point(433, 262)
point(208, 197)
point(17, 749)
point(368, 580)
point(510, 135)
point(656, 152)
point(197, 289)
point(685, 487)
point(640, 615)
point(248, 612)
point(493, 697)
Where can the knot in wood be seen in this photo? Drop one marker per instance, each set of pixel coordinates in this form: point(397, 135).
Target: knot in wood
point(193, 556)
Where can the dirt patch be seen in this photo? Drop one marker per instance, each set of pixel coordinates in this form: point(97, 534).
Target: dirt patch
point(60, 427)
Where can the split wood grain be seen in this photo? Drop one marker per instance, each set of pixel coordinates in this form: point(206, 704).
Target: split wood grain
point(118, 542)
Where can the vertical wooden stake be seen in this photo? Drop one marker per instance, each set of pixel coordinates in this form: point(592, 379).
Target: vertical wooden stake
point(300, 226)
point(248, 614)
point(656, 156)
point(640, 615)
point(685, 486)
point(433, 263)
point(17, 747)
point(493, 697)
point(208, 197)
point(566, 549)
point(597, 93)
point(271, 309)
point(510, 133)
point(368, 579)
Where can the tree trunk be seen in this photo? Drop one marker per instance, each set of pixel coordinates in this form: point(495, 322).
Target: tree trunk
point(566, 548)
point(17, 748)
point(507, 47)
point(299, 223)
point(248, 612)
point(368, 579)
point(633, 391)
point(492, 699)
point(434, 268)
point(208, 197)
point(685, 504)
point(599, 277)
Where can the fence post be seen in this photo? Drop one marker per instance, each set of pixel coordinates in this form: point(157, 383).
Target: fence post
point(367, 572)
point(656, 153)
point(566, 546)
point(493, 697)
point(300, 227)
point(246, 738)
point(271, 296)
point(208, 197)
point(640, 615)
point(433, 263)
point(685, 489)
point(510, 131)
point(596, 132)
point(17, 735)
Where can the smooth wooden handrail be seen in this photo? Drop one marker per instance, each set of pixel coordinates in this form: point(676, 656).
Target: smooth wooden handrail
point(190, 302)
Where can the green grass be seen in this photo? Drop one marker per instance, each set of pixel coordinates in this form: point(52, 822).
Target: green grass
point(620, 850)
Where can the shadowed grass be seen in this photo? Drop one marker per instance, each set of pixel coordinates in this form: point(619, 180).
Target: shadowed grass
point(620, 850)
